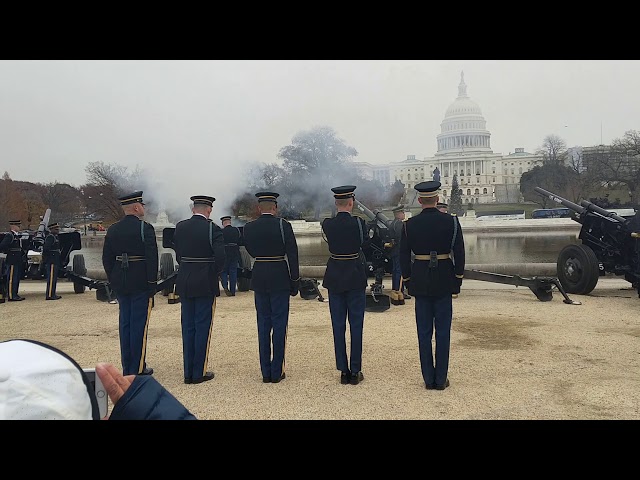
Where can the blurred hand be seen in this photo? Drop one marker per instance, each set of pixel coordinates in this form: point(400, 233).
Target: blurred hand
point(294, 287)
point(113, 381)
point(457, 283)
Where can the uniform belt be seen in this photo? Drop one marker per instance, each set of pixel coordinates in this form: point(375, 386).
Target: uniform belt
point(230, 244)
point(440, 256)
point(197, 259)
point(132, 258)
point(345, 256)
point(15, 249)
point(279, 258)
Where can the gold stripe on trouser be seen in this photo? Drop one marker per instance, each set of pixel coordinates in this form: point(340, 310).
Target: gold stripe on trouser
point(50, 281)
point(284, 350)
point(11, 282)
point(206, 357)
point(144, 338)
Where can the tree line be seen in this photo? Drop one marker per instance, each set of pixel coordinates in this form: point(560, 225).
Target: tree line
point(593, 173)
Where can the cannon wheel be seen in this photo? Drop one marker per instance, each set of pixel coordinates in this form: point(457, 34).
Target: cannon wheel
point(578, 269)
point(245, 263)
point(167, 267)
point(79, 268)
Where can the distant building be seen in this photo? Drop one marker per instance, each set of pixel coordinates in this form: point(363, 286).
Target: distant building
point(464, 148)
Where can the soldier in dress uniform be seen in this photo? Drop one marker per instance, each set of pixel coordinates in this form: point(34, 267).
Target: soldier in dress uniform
point(275, 276)
point(199, 247)
point(229, 275)
point(397, 296)
point(443, 207)
point(51, 259)
point(130, 260)
point(12, 247)
point(436, 274)
point(346, 280)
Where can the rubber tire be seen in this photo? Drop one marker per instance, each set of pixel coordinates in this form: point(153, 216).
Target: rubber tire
point(245, 263)
point(586, 267)
point(167, 267)
point(79, 268)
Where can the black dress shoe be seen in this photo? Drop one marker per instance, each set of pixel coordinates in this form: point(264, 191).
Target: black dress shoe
point(266, 379)
point(187, 381)
point(227, 292)
point(57, 297)
point(345, 378)
point(147, 371)
point(282, 377)
point(17, 299)
point(356, 378)
point(207, 376)
point(442, 387)
point(430, 386)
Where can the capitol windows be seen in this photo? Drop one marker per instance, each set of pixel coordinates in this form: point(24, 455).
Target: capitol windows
point(520, 170)
point(468, 191)
point(408, 176)
point(493, 170)
point(476, 192)
point(477, 179)
point(494, 179)
point(444, 192)
point(513, 171)
point(484, 191)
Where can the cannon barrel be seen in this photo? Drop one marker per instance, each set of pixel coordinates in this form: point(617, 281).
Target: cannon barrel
point(605, 213)
point(375, 215)
point(563, 201)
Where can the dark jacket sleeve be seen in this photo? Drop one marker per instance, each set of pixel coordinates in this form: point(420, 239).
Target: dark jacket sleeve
point(291, 248)
point(146, 399)
point(405, 254)
point(151, 252)
point(247, 245)
point(458, 250)
point(217, 240)
point(108, 256)
point(365, 234)
point(6, 242)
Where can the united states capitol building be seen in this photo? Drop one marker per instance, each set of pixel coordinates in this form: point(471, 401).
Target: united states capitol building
point(464, 148)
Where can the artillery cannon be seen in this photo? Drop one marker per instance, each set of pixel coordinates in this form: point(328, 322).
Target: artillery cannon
point(377, 253)
point(610, 244)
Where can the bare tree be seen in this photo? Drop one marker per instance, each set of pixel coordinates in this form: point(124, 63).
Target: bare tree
point(105, 183)
point(618, 163)
point(62, 199)
point(11, 202)
point(553, 150)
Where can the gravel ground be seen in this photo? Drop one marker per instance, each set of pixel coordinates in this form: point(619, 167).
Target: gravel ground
point(512, 356)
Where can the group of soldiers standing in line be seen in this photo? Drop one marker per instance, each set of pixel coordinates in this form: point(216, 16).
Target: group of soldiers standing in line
point(12, 247)
point(429, 262)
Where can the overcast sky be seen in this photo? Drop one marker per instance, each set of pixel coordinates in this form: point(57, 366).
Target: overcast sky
point(195, 124)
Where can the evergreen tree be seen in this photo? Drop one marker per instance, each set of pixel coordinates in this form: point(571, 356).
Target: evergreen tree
point(455, 201)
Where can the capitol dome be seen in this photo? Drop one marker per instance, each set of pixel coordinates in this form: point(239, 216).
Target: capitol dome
point(463, 129)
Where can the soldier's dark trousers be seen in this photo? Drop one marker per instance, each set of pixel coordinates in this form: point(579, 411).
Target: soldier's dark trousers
point(272, 310)
point(14, 275)
point(229, 275)
point(396, 271)
point(135, 311)
point(342, 306)
point(197, 325)
point(51, 274)
point(434, 312)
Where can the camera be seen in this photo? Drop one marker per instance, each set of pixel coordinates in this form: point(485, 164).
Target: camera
point(98, 388)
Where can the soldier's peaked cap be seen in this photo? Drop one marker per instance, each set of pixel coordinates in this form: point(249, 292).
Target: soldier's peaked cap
point(441, 204)
point(226, 217)
point(203, 200)
point(399, 208)
point(135, 197)
point(345, 191)
point(427, 189)
point(53, 225)
point(267, 196)
point(14, 222)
